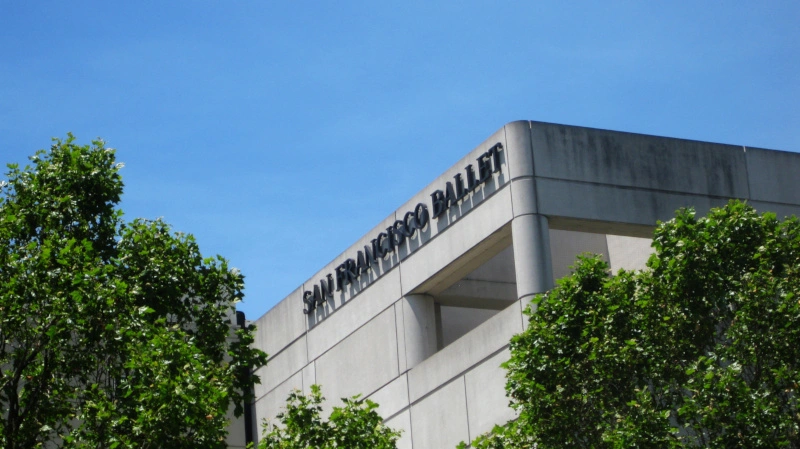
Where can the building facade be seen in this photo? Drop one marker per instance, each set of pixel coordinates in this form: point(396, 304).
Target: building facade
point(418, 313)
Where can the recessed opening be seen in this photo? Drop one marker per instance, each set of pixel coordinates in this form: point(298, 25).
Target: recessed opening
point(492, 286)
point(476, 297)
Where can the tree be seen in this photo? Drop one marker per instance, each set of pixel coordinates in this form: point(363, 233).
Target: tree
point(701, 349)
point(112, 334)
point(355, 426)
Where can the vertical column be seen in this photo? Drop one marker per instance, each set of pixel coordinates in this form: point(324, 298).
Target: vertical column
point(529, 230)
point(532, 264)
point(419, 324)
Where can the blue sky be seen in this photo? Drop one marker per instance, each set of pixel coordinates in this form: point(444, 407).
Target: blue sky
point(278, 133)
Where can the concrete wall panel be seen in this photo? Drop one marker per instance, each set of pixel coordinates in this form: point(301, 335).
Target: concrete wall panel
point(468, 289)
point(361, 363)
point(615, 204)
point(629, 253)
point(440, 420)
point(458, 321)
point(773, 175)
point(282, 325)
point(236, 438)
point(392, 397)
point(274, 402)
point(636, 160)
point(400, 326)
point(309, 377)
point(487, 403)
point(523, 304)
point(565, 246)
point(402, 422)
point(283, 365)
point(419, 333)
point(490, 336)
point(781, 210)
point(361, 309)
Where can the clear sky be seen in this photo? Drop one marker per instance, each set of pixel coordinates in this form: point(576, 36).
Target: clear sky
point(278, 133)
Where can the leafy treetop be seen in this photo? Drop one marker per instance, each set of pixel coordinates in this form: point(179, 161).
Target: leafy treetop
point(112, 334)
point(356, 425)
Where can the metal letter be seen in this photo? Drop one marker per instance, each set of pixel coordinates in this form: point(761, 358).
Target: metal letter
point(437, 203)
point(460, 191)
point(327, 288)
point(400, 229)
point(391, 239)
point(318, 300)
point(384, 243)
point(484, 168)
point(471, 184)
point(449, 196)
point(350, 269)
point(340, 278)
point(361, 263)
point(309, 302)
point(421, 216)
point(495, 152)
point(372, 253)
point(411, 226)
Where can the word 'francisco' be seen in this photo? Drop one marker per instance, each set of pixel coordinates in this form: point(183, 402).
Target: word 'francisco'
point(387, 242)
point(351, 269)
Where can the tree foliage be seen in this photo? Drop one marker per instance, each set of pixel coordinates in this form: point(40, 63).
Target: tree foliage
point(702, 349)
point(112, 334)
point(356, 425)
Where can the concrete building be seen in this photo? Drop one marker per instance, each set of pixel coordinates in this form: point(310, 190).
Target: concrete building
point(417, 314)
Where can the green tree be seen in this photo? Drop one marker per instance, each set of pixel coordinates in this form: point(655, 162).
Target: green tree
point(701, 349)
point(112, 334)
point(356, 425)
